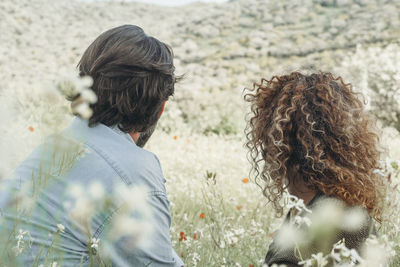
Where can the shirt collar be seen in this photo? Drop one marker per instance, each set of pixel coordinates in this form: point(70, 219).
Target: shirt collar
point(125, 135)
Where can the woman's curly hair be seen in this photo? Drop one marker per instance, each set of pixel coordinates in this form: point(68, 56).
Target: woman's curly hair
point(316, 126)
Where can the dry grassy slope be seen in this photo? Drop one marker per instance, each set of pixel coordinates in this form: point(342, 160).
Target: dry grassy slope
point(220, 47)
point(199, 33)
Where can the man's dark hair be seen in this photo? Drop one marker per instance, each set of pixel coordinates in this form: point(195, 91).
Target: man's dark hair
point(133, 74)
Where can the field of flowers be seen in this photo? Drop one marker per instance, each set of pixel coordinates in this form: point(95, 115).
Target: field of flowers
point(220, 217)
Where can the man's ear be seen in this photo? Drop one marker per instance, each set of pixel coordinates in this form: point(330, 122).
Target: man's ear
point(162, 109)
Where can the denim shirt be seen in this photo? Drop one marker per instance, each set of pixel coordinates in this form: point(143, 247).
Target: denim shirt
point(110, 157)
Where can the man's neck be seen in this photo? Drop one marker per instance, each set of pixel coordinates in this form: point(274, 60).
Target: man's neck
point(135, 136)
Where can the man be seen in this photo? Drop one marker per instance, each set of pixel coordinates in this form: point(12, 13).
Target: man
point(133, 77)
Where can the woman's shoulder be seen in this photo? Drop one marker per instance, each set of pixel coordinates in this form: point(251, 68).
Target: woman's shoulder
point(327, 221)
point(353, 224)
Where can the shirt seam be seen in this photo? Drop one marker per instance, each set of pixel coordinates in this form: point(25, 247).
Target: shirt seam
point(100, 229)
point(120, 173)
point(107, 159)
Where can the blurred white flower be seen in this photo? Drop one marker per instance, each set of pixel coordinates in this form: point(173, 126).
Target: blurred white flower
point(327, 213)
point(135, 197)
point(376, 253)
point(133, 230)
point(70, 84)
point(24, 198)
point(288, 236)
point(354, 218)
point(134, 220)
point(83, 110)
point(83, 209)
point(89, 96)
point(75, 190)
point(96, 191)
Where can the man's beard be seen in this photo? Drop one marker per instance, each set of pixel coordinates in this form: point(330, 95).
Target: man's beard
point(145, 136)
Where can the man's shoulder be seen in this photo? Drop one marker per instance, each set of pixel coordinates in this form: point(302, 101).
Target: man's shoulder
point(105, 141)
point(106, 149)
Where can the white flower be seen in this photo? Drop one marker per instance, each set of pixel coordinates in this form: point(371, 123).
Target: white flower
point(71, 84)
point(83, 110)
point(134, 230)
point(195, 258)
point(354, 256)
point(83, 209)
point(306, 263)
point(96, 190)
point(24, 198)
point(94, 243)
point(135, 199)
point(82, 206)
point(89, 96)
point(343, 255)
point(354, 218)
point(75, 190)
point(376, 253)
point(288, 236)
point(300, 220)
point(336, 251)
point(295, 202)
point(328, 213)
point(320, 259)
point(84, 82)
point(20, 238)
point(61, 228)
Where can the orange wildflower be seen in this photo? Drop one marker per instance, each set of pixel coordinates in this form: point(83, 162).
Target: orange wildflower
point(196, 235)
point(175, 137)
point(271, 235)
point(238, 207)
point(202, 215)
point(30, 128)
point(251, 265)
point(245, 180)
point(183, 237)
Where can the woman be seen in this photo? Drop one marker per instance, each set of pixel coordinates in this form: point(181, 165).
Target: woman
point(309, 134)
